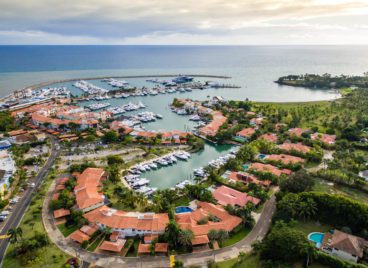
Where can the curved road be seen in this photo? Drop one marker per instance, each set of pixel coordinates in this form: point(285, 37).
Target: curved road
point(16, 216)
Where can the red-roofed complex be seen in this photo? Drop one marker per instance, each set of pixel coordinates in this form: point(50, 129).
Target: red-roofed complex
point(212, 128)
point(285, 159)
point(271, 137)
point(116, 246)
point(128, 223)
point(245, 178)
point(325, 138)
point(228, 196)
point(298, 132)
point(246, 133)
point(297, 147)
point(59, 213)
point(266, 168)
point(189, 221)
point(79, 236)
point(87, 189)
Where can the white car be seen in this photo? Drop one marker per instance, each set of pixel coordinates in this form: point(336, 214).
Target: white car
point(32, 185)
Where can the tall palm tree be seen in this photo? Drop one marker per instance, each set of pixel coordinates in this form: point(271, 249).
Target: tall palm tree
point(307, 208)
point(172, 232)
point(106, 231)
point(222, 235)
point(185, 238)
point(15, 234)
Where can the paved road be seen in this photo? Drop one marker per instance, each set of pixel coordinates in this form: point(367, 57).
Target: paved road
point(18, 212)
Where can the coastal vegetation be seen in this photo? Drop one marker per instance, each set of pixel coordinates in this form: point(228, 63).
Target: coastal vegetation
point(324, 81)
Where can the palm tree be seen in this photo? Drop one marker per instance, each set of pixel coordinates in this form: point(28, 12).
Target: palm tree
point(222, 235)
point(172, 232)
point(14, 234)
point(106, 231)
point(307, 209)
point(212, 235)
point(185, 238)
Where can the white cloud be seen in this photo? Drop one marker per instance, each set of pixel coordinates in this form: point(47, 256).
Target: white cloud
point(177, 22)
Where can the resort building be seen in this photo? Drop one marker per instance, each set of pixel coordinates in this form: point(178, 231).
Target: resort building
point(112, 246)
point(87, 190)
point(271, 137)
point(212, 128)
point(245, 178)
point(324, 138)
point(228, 196)
point(245, 134)
point(266, 168)
point(128, 223)
point(285, 159)
point(79, 236)
point(297, 147)
point(343, 245)
point(298, 132)
point(214, 217)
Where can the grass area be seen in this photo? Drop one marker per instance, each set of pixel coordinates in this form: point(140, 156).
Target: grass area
point(247, 261)
point(49, 256)
point(92, 247)
point(182, 201)
point(236, 237)
point(113, 198)
point(311, 226)
point(67, 230)
point(333, 188)
point(133, 249)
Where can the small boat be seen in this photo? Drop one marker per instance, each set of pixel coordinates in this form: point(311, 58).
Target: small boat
point(158, 116)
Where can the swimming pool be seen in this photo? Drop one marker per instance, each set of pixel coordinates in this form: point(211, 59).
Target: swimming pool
point(245, 167)
point(262, 156)
point(317, 238)
point(179, 210)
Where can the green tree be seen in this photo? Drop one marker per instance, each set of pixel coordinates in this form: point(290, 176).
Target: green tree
point(110, 136)
point(185, 238)
point(15, 234)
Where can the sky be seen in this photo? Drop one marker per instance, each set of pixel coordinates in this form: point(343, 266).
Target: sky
point(183, 22)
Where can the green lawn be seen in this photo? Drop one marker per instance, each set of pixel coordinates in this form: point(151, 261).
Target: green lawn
point(49, 256)
point(182, 201)
point(333, 188)
point(92, 247)
point(133, 249)
point(311, 226)
point(248, 261)
point(66, 231)
point(236, 237)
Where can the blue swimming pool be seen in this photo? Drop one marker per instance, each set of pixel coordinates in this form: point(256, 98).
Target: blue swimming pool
point(246, 166)
point(317, 238)
point(179, 210)
point(262, 156)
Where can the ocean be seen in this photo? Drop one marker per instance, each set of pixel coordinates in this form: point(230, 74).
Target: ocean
point(254, 68)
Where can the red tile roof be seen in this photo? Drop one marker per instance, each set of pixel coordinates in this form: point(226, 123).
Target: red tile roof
point(188, 221)
point(285, 158)
point(266, 168)
point(79, 236)
point(148, 238)
point(200, 240)
point(297, 131)
point(248, 178)
point(299, 147)
point(61, 213)
point(325, 138)
point(161, 247)
point(228, 196)
point(112, 246)
point(150, 222)
point(212, 128)
point(86, 190)
point(246, 132)
point(89, 230)
point(114, 236)
point(144, 248)
point(271, 137)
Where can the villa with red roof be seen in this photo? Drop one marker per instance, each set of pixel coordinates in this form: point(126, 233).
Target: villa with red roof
point(298, 147)
point(189, 221)
point(212, 128)
point(228, 196)
point(244, 134)
point(325, 138)
point(87, 190)
point(128, 223)
point(298, 132)
point(266, 168)
point(245, 177)
point(285, 159)
point(271, 137)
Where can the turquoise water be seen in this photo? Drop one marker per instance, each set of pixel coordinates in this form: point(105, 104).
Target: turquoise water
point(169, 176)
point(245, 167)
point(262, 156)
point(317, 238)
point(179, 210)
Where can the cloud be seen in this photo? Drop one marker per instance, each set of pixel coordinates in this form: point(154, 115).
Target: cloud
point(189, 21)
